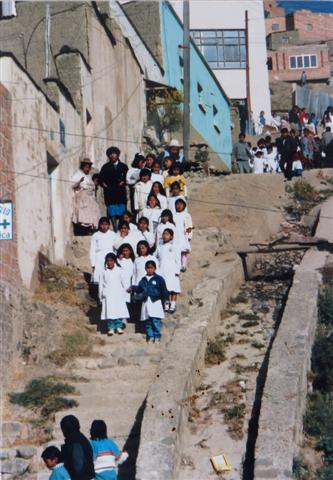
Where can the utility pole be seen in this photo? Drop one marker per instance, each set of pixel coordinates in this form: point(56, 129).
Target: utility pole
point(248, 87)
point(47, 40)
point(187, 79)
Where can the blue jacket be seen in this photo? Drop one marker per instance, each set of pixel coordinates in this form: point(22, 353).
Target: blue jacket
point(154, 288)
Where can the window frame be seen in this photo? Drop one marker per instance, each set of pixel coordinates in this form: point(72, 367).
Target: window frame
point(224, 41)
point(303, 67)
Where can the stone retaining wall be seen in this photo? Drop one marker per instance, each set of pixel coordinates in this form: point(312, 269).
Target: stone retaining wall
point(166, 409)
point(283, 402)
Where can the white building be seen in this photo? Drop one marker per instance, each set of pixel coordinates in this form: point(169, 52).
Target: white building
point(219, 29)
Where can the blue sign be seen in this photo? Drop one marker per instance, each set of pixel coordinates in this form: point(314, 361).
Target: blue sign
point(6, 221)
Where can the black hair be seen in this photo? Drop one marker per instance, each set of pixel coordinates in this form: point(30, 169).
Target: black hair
point(168, 213)
point(69, 424)
point(145, 171)
point(174, 185)
point(142, 242)
point(284, 130)
point(153, 195)
point(181, 200)
point(242, 134)
point(95, 175)
point(50, 453)
point(151, 155)
point(123, 224)
point(144, 219)
point(84, 162)
point(121, 248)
point(328, 129)
point(113, 256)
point(176, 165)
point(150, 263)
point(137, 158)
point(111, 150)
point(160, 188)
point(129, 214)
point(169, 230)
point(98, 430)
point(103, 220)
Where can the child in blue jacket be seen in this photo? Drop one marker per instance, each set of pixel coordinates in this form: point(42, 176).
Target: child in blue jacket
point(153, 292)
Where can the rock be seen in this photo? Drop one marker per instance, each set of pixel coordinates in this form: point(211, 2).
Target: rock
point(107, 363)
point(7, 453)
point(15, 467)
point(122, 362)
point(11, 431)
point(26, 452)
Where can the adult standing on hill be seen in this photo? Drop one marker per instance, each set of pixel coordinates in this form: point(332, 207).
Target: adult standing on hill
point(241, 154)
point(112, 178)
point(286, 147)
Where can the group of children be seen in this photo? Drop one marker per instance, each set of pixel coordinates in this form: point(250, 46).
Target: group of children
point(81, 459)
point(140, 263)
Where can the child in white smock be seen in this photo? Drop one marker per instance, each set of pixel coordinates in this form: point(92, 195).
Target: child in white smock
point(112, 295)
point(143, 252)
point(102, 242)
point(152, 212)
point(165, 222)
point(184, 226)
point(126, 258)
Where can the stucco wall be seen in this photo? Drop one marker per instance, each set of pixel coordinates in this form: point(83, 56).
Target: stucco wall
point(228, 14)
point(35, 131)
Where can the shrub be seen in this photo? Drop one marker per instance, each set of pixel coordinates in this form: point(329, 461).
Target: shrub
point(318, 418)
point(325, 306)
point(44, 395)
point(304, 192)
point(322, 362)
point(300, 469)
point(75, 344)
point(215, 351)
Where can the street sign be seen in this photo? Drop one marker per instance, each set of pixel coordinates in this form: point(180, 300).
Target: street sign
point(6, 220)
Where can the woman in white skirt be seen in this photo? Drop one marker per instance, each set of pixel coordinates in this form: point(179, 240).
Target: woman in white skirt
point(168, 255)
point(112, 295)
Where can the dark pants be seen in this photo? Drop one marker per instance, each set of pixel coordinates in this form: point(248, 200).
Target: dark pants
point(286, 165)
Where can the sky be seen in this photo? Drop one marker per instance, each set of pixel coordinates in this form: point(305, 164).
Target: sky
point(314, 5)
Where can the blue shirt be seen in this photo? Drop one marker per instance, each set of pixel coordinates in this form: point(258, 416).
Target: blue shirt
point(59, 472)
point(105, 452)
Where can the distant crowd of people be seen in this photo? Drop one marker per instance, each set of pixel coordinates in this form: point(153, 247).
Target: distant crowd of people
point(136, 254)
point(299, 146)
point(81, 459)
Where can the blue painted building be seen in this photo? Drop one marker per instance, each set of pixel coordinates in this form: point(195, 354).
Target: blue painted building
point(159, 26)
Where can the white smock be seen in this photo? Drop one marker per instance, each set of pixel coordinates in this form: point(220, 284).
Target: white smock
point(172, 203)
point(153, 215)
point(101, 244)
point(168, 255)
point(160, 229)
point(127, 266)
point(149, 237)
point(183, 221)
point(139, 267)
point(163, 201)
point(112, 294)
point(131, 238)
point(152, 309)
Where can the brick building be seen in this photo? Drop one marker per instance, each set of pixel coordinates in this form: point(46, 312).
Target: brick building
point(311, 26)
point(288, 62)
point(275, 19)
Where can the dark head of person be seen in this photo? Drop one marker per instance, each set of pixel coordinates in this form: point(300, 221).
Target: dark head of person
point(69, 425)
point(113, 154)
point(327, 129)
point(241, 137)
point(85, 165)
point(284, 132)
point(98, 430)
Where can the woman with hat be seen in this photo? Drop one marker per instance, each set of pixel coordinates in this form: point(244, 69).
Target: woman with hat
point(85, 207)
point(173, 151)
point(112, 178)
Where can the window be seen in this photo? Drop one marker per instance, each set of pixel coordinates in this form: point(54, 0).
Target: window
point(222, 48)
point(62, 133)
point(215, 119)
point(303, 61)
point(275, 26)
point(7, 9)
point(309, 27)
point(201, 96)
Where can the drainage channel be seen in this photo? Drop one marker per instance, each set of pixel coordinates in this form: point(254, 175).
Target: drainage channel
point(224, 411)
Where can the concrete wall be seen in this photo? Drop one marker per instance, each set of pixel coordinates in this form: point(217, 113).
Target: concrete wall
point(284, 395)
point(35, 132)
point(228, 14)
point(202, 116)
point(281, 70)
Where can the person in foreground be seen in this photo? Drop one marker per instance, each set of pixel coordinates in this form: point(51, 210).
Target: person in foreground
point(76, 452)
point(51, 456)
point(106, 453)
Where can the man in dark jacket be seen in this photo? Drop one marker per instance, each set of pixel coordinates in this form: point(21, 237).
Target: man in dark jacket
point(286, 147)
point(76, 452)
point(112, 178)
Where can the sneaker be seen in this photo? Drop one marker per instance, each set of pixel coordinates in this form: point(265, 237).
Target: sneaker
point(157, 340)
point(120, 331)
point(150, 340)
point(111, 332)
point(167, 306)
point(183, 269)
point(172, 309)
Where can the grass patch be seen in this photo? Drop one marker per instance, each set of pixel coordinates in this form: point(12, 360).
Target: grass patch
point(251, 323)
point(58, 285)
point(303, 191)
point(45, 396)
point(257, 345)
point(248, 316)
point(215, 351)
point(300, 469)
point(234, 418)
point(74, 344)
point(239, 298)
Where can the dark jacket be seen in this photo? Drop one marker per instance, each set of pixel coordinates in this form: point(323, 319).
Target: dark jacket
point(77, 456)
point(112, 176)
point(154, 288)
point(286, 147)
